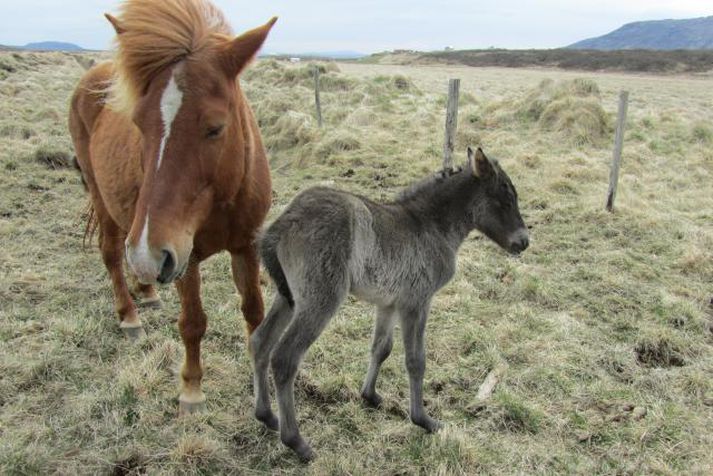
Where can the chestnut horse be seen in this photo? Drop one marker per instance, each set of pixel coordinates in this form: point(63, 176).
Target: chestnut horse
point(172, 157)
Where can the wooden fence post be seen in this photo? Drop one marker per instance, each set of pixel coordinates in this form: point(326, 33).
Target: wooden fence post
point(618, 145)
point(317, 102)
point(451, 123)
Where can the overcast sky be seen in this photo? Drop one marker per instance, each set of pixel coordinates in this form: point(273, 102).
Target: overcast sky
point(367, 25)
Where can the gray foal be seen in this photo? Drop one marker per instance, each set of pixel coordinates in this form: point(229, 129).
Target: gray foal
point(395, 255)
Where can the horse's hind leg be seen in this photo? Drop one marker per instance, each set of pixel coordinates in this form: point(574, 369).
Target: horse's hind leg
point(311, 316)
point(111, 244)
point(382, 343)
point(262, 342)
point(246, 274)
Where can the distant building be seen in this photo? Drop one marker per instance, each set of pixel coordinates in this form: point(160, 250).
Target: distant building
point(294, 60)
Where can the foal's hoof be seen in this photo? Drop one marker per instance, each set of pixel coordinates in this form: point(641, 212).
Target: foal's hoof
point(268, 419)
point(301, 448)
point(150, 303)
point(374, 400)
point(133, 333)
point(429, 424)
point(191, 408)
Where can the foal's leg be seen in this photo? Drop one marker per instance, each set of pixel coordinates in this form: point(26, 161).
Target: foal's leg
point(413, 324)
point(311, 316)
point(381, 345)
point(262, 342)
point(246, 274)
point(192, 324)
point(111, 244)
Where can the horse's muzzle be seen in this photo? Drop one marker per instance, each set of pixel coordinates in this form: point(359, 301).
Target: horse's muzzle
point(151, 267)
point(168, 268)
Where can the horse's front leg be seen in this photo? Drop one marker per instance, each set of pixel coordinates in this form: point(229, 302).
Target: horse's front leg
point(145, 294)
point(192, 325)
point(246, 274)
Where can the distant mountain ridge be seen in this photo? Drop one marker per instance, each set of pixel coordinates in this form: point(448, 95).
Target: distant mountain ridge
point(52, 46)
point(43, 46)
point(690, 34)
point(337, 55)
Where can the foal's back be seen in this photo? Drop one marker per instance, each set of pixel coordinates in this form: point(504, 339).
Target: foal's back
point(379, 252)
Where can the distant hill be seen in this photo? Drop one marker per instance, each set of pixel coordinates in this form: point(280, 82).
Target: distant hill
point(692, 34)
point(52, 46)
point(640, 61)
point(337, 55)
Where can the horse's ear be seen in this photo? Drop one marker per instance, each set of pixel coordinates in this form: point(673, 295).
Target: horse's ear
point(115, 23)
point(479, 163)
point(244, 48)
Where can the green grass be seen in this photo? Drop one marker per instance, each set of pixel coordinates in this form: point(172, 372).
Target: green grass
point(603, 314)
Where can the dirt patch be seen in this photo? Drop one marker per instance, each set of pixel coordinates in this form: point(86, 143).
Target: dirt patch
point(659, 352)
point(134, 464)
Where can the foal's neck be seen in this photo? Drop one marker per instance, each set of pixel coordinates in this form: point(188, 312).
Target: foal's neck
point(443, 205)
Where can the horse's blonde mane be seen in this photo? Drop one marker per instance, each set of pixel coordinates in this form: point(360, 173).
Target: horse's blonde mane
point(158, 33)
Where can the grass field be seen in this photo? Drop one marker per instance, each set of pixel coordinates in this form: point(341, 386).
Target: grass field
point(605, 322)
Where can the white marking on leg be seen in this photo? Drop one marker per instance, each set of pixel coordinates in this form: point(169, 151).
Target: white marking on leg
point(171, 101)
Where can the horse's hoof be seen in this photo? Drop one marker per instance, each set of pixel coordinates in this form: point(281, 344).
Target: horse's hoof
point(151, 303)
point(191, 408)
point(134, 333)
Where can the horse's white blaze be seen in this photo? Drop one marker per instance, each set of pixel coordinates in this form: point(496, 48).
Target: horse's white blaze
point(171, 101)
point(143, 252)
point(140, 258)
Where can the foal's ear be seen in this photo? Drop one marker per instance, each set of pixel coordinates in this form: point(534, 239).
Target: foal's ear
point(479, 163)
point(115, 23)
point(243, 48)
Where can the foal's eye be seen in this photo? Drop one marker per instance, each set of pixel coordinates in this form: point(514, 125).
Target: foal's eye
point(214, 132)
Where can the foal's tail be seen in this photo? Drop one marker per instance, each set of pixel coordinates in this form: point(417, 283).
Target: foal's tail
point(268, 253)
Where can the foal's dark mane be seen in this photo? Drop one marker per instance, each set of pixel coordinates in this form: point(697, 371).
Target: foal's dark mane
point(430, 184)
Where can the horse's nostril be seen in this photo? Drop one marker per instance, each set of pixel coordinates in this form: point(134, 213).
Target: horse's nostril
point(168, 267)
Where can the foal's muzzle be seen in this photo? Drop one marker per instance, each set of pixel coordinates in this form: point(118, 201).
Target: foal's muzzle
point(519, 241)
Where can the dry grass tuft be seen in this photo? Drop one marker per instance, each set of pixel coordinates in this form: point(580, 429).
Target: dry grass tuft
point(52, 157)
point(571, 108)
point(702, 133)
point(291, 130)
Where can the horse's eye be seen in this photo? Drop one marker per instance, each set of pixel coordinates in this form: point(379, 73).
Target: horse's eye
point(214, 132)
